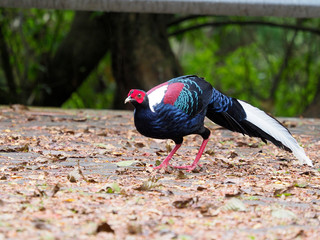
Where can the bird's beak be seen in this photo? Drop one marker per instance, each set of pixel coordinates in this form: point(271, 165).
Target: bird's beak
point(128, 99)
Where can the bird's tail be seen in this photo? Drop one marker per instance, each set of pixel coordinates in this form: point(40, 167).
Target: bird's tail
point(242, 117)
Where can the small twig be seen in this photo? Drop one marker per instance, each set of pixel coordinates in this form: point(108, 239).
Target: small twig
point(185, 18)
point(277, 78)
point(80, 172)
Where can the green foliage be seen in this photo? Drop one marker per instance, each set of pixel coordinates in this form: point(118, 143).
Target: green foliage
point(31, 36)
point(272, 67)
point(254, 62)
point(97, 91)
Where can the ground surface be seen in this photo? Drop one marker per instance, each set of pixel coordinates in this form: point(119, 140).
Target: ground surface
point(88, 175)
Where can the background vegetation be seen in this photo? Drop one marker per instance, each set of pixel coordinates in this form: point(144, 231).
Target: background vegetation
point(46, 55)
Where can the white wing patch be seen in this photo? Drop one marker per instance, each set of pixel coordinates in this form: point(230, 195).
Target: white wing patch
point(156, 96)
point(274, 129)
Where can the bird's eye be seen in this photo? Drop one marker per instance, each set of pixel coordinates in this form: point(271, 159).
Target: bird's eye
point(139, 95)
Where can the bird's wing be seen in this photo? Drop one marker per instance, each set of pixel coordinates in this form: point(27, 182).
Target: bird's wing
point(226, 112)
point(190, 94)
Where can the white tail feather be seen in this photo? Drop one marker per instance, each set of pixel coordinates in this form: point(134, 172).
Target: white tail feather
point(276, 130)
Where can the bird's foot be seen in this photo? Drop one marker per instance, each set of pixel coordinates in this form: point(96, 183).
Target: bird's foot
point(162, 165)
point(159, 167)
point(165, 163)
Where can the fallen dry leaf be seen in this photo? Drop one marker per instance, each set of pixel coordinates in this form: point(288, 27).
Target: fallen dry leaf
point(104, 227)
point(39, 202)
point(148, 185)
point(185, 203)
point(233, 204)
point(74, 176)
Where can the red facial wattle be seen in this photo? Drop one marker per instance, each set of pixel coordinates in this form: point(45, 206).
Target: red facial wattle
point(137, 95)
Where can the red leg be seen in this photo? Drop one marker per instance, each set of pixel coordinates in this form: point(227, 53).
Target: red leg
point(195, 162)
point(165, 162)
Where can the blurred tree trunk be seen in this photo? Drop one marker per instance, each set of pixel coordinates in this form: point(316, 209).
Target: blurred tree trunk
point(78, 54)
point(140, 50)
point(7, 69)
point(141, 53)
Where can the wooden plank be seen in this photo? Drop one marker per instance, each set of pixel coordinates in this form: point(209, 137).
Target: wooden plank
point(279, 8)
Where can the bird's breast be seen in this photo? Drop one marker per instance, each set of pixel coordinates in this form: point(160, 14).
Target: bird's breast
point(167, 122)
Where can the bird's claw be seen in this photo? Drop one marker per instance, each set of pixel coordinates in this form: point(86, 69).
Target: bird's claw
point(162, 166)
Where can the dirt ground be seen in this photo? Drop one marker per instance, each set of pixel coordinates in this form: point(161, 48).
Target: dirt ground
point(72, 174)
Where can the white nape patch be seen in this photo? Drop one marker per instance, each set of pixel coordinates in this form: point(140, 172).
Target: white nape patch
point(156, 96)
point(276, 130)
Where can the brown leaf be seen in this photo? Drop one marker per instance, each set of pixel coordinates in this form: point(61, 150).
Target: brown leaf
point(139, 145)
point(161, 153)
point(210, 152)
point(69, 131)
point(208, 210)
point(204, 208)
point(91, 180)
point(39, 192)
point(122, 171)
point(282, 190)
point(55, 189)
point(19, 107)
point(19, 148)
point(166, 192)
point(16, 168)
point(40, 224)
point(149, 184)
point(3, 177)
point(197, 169)
point(127, 144)
point(233, 181)
point(42, 160)
point(234, 204)
point(111, 188)
point(79, 119)
point(104, 227)
point(103, 134)
point(168, 147)
point(181, 175)
point(289, 124)
point(134, 228)
point(200, 188)
point(58, 157)
point(185, 203)
point(232, 193)
point(308, 172)
point(233, 155)
point(242, 144)
point(117, 154)
point(300, 234)
point(74, 176)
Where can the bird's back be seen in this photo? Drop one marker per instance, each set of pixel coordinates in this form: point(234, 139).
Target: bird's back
point(190, 94)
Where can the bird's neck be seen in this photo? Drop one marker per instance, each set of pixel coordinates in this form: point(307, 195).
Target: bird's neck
point(144, 119)
point(143, 111)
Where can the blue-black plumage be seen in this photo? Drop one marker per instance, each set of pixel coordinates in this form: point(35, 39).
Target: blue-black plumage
point(177, 108)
